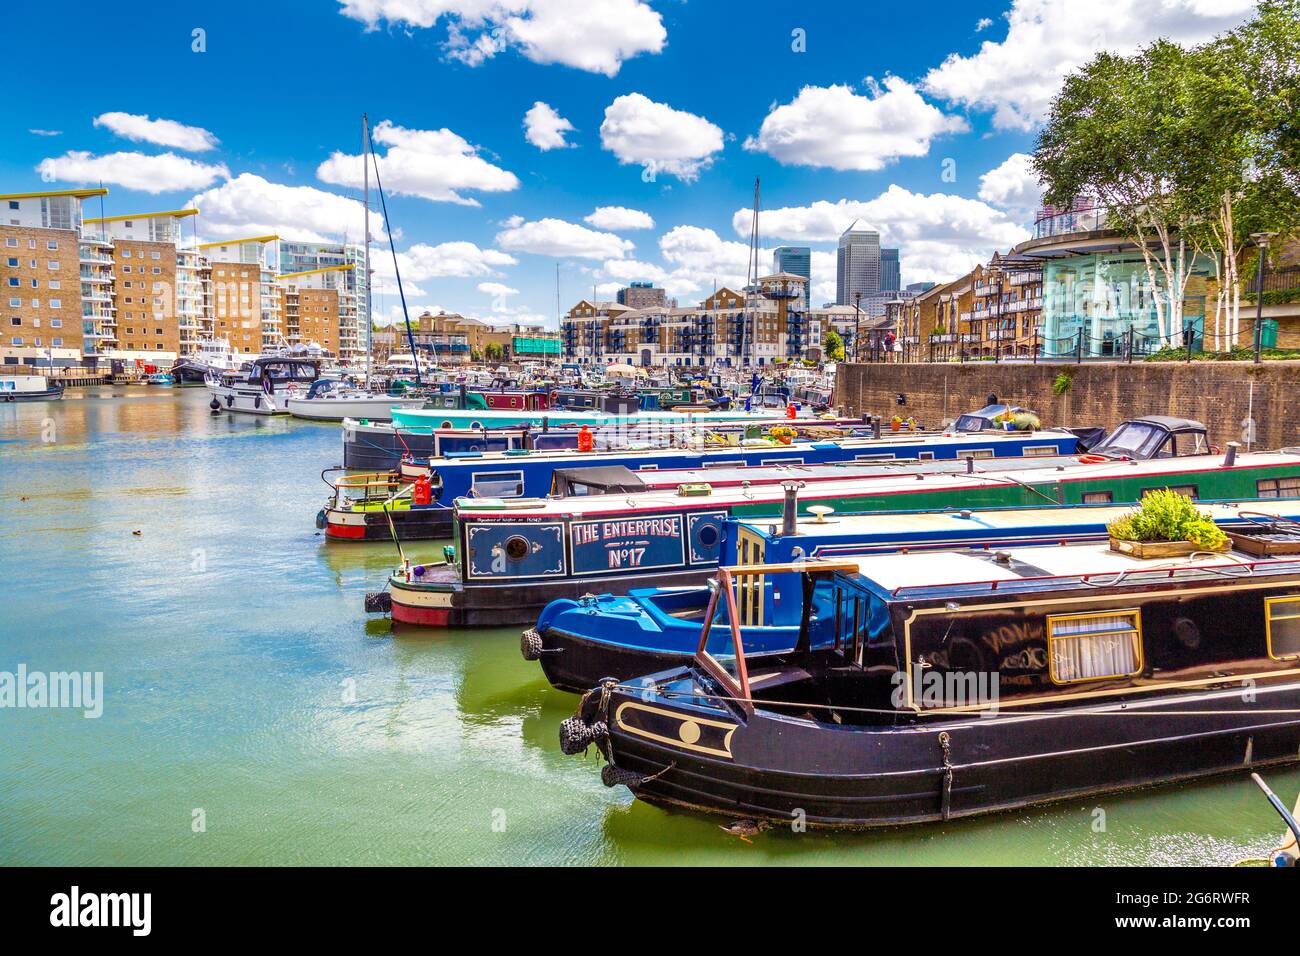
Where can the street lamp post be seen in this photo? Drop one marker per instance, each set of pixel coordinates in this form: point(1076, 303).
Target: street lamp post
point(857, 326)
point(1261, 242)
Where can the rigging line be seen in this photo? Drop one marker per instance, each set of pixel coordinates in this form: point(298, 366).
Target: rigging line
point(379, 186)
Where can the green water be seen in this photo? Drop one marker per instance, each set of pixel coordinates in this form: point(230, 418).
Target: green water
point(230, 636)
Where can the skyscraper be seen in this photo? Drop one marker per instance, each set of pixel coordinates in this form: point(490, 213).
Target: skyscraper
point(857, 266)
point(796, 260)
point(891, 277)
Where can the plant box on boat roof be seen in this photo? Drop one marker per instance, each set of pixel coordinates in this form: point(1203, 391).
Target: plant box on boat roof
point(1166, 524)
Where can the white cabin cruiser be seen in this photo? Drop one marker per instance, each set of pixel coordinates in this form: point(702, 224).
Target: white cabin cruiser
point(28, 388)
point(329, 400)
point(263, 386)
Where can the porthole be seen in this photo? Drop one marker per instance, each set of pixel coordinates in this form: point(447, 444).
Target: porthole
point(516, 548)
point(708, 535)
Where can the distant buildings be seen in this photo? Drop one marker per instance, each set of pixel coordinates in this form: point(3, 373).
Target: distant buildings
point(455, 339)
point(890, 274)
point(796, 260)
point(857, 264)
point(642, 295)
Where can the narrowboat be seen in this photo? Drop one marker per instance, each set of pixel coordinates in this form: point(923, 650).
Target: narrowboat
point(261, 387)
point(538, 550)
point(520, 473)
point(622, 636)
point(622, 414)
point(928, 687)
point(29, 388)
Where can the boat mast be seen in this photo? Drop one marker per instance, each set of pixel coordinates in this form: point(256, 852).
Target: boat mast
point(751, 284)
point(392, 246)
point(365, 176)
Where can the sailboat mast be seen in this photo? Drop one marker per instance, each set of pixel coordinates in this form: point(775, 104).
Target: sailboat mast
point(365, 175)
point(751, 284)
point(397, 271)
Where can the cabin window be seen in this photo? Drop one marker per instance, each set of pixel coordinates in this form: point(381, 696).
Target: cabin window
point(1038, 451)
point(1283, 628)
point(925, 456)
point(1082, 647)
point(873, 457)
point(497, 484)
point(1188, 491)
point(724, 464)
point(977, 453)
point(647, 468)
point(1277, 487)
point(1098, 497)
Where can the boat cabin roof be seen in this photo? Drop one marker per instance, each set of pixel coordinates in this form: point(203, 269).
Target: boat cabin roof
point(1093, 566)
point(859, 527)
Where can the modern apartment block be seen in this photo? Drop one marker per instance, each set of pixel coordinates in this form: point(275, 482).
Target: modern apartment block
point(156, 287)
point(245, 295)
point(51, 315)
point(317, 308)
point(348, 259)
point(857, 264)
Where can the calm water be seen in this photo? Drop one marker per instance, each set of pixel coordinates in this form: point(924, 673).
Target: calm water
point(230, 637)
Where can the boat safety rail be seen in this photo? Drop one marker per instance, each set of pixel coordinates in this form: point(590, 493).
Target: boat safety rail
point(1106, 578)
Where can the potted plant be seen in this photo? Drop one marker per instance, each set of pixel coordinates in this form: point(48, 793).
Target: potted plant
point(1007, 421)
point(895, 423)
point(1166, 524)
point(1025, 422)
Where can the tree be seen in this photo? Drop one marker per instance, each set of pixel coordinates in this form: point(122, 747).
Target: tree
point(494, 352)
point(833, 347)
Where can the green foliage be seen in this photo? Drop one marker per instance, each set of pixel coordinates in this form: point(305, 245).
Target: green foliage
point(1242, 353)
point(1026, 422)
point(1166, 515)
point(494, 352)
point(1061, 384)
point(833, 347)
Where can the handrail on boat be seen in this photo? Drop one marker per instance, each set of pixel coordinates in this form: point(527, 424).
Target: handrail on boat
point(1166, 571)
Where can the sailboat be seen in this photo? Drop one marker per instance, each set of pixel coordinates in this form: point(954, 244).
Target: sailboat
point(331, 399)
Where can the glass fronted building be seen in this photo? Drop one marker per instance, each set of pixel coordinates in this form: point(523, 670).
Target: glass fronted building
point(1104, 295)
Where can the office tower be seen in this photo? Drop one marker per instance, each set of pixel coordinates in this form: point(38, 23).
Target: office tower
point(857, 266)
point(891, 279)
point(796, 260)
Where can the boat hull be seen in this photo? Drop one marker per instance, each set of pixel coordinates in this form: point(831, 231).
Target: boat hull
point(438, 599)
point(44, 395)
point(415, 524)
point(785, 769)
point(337, 409)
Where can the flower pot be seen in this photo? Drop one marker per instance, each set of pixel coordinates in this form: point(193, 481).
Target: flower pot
point(1161, 549)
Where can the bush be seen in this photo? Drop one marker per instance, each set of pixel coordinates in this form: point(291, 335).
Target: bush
point(1166, 515)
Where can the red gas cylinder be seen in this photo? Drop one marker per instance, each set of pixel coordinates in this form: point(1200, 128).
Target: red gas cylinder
point(421, 494)
point(790, 410)
point(586, 442)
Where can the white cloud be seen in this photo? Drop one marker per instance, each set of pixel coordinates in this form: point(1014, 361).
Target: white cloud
point(1013, 185)
point(447, 260)
point(555, 237)
point(1017, 77)
point(46, 132)
point(138, 171)
point(593, 35)
point(940, 236)
point(160, 132)
point(833, 126)
point(619, 218)
point(983, 24)
point(249, 205)
point(703, 257)
point(545, 128)
point(499, 289)
point(433, 164)
point(638, 130)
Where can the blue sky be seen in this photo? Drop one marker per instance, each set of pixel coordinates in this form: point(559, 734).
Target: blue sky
point(915, 117)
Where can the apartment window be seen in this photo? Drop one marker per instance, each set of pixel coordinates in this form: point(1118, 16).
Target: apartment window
point(14, 282)
point(1277, 487)
point(13, 261)
point(126, 268)
point(13, 244)
point(55, 284)
point(14, 320)
point(56, 303)
point(155, 255)
point(57, 343)
point(56, 323)
point(1283, 627)
point(15, 303)
point(16, 340)
point(52, 264)
point(52, 246)
point(126, 253)
point(1095, 646)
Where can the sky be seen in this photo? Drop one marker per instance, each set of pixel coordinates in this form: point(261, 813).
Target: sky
point(617, 139)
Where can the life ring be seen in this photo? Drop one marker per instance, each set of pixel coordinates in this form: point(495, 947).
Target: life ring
point(1092, 459)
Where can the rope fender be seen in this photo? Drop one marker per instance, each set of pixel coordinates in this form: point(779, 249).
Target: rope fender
point(530, 644)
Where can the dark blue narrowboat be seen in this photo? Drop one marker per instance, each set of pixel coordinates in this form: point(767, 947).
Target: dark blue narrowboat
point(928, 687)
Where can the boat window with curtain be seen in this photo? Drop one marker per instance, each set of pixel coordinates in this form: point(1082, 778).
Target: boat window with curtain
point(1283, 627)
point(1095, 646)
